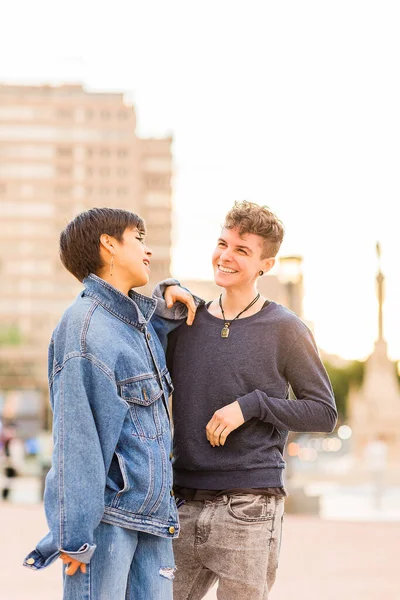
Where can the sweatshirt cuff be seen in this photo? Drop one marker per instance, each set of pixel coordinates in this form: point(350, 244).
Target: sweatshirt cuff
point(250, 406)
point(178, 311)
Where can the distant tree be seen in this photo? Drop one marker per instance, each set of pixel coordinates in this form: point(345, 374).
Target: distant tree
point(10, 336)
point(341, 379)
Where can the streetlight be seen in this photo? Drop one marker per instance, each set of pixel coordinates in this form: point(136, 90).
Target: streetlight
point(290, 274)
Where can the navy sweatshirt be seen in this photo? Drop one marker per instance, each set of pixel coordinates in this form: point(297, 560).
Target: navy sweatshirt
point(263, 354)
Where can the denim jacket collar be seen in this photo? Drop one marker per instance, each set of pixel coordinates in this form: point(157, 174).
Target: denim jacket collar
point(134, 309)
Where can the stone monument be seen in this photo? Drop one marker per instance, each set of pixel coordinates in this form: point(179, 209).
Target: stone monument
point(375, 406)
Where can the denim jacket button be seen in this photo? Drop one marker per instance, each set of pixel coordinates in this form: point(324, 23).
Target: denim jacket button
point(30, 561)
point(171, 530)
point(148, 336)
point(171, 456)
point(172, 493)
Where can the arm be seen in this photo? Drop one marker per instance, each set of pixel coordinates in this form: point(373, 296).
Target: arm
point(174, 304)
point(88, 418)
point(313, 410)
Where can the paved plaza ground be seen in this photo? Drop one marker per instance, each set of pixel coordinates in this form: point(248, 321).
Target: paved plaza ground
point(333, 560)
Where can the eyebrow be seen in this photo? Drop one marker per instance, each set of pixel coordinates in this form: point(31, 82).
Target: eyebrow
point(238, 246)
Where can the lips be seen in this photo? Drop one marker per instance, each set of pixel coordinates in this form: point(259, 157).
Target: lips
point(146, 263)
point(226, 270)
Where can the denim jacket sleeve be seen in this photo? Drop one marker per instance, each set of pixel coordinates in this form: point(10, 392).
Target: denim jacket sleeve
point(164, 319)
point(88, 418)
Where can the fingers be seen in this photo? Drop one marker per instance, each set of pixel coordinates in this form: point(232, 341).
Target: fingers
point(223, 422)
point(175, 293)
point(191, 306)
point(217, 432)
point(168, 297)
point(72, 565)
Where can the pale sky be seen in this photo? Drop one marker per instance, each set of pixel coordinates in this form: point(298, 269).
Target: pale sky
point(292, 104)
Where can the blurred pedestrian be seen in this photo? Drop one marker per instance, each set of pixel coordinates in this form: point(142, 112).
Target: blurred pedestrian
point(10, 460)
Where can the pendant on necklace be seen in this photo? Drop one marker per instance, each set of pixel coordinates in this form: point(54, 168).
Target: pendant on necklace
point(225, 331)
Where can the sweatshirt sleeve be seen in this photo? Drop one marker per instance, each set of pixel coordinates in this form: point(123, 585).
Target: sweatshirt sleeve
point(84, 442)
point(314, 409)
point(165, 320)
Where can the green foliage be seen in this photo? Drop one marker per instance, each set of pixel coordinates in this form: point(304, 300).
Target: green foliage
point(342, 378)
point(10, 336)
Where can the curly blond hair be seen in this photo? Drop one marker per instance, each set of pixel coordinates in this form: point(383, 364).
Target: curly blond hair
point(250, 217)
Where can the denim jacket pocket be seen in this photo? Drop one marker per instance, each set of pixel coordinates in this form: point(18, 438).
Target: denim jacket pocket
point(148, 413)
point(143, 391)
point(117, 479)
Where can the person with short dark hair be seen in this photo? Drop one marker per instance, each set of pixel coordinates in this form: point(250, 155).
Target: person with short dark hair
point(108, 496)
point(232, 415)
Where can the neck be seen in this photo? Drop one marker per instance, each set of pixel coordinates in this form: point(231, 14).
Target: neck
point(234, 300)
point(119, 283)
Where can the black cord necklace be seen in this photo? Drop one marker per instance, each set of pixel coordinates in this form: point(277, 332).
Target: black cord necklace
point(225, 330)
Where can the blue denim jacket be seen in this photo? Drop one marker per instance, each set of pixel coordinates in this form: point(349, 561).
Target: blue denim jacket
point(109, 389)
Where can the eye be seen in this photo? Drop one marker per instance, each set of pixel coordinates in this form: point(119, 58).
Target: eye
point(221, 244)
point(243, 251)
point(141, 239)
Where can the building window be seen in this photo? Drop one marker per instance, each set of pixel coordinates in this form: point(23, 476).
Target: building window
point(64, 151)
point(157, 181)
point(64, 171)
point(65, 113)
point(63, 190)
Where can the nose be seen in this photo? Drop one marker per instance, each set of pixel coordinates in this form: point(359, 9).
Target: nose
point(148, 252)
point(225, 254)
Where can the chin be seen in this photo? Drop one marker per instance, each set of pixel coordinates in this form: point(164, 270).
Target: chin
point(140, 282)
point(221, 280)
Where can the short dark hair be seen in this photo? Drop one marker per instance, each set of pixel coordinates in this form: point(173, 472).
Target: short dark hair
point(80, 240)
point(250, 217)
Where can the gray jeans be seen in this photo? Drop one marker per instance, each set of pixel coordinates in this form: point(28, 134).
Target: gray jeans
point(234, 540)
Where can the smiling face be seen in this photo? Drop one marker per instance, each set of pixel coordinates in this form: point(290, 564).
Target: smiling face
point(131, 259)
point(237, 259)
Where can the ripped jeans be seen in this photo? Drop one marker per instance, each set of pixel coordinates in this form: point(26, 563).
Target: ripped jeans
point(126, 565)
point(234, 540)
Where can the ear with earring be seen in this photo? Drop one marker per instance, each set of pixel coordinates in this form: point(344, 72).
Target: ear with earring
point(112, 264)
point(261, 273)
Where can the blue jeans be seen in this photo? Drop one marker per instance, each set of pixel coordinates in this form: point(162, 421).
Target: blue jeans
point(126, 565)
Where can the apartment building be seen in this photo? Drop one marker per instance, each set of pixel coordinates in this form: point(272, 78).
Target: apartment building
point(63, 150)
